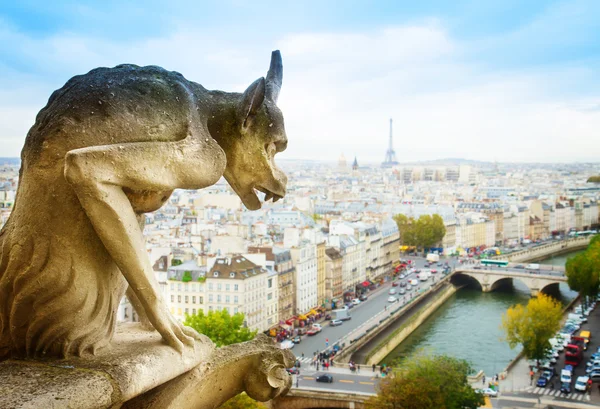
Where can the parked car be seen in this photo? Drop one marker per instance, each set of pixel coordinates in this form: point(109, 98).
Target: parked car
point(356, 301)
point(403, 284)
point(297, 339)
point(335, 323)
point(318, 327)
point(312, 332)
point(363, 297)
point(581, 383)
point(325, 378)
point(402, 291)
point(402, 276)
point(349, 305)
point(293, 371)
point(545, 377)
point(395, 284)
point(392, 299)
point(392, 291)
point(433, 271)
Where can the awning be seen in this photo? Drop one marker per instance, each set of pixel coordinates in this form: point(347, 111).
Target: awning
point(366, 283)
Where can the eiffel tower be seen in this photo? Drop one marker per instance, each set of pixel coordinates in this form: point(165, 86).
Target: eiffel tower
point(390, 155)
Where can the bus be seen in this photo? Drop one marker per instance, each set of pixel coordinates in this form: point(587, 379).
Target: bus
point(498, 263)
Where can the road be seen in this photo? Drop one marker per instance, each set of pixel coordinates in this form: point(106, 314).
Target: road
point(361, 313)
point(364, 383)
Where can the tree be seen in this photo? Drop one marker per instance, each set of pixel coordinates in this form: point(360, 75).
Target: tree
point(242, 401)
point(594, 179)
point(427, 382)
point(176, 262)
point(533, 326)
point(187, 276)
point(225, 329)
point(426, 231)
point(582, 271)
point(221, 327)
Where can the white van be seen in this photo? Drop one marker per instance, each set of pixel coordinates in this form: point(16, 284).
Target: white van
point(414, 282)
point(565, 376)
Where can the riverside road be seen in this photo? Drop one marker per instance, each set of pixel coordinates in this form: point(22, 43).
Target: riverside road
point(361, 313)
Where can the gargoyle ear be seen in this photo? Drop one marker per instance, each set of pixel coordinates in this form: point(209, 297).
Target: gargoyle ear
point(252, 99)
point(274, 76)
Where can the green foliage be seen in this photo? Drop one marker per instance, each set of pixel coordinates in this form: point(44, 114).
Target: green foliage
point(426, 231)
point(242, 401)
point(533, 326)
point(202, 279)
point(187, 276)
point(583, 270)
point(176, 262)
point(594, 179)
point(427, 382)
point(221, 327)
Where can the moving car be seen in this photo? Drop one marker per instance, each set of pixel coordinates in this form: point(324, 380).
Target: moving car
point(287, 344)
point(403, 284)
point(297, 339)
point(565, 388)
point(325, 378)
point(488, 392)
point(392, 291)
point(312, 332)
point(395, 284)
point(392, 299)
point(335, 323)
point(402, 291)
point(318, 327)
point(293, 371)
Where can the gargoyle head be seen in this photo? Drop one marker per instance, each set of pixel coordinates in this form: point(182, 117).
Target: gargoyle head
point(258, 135)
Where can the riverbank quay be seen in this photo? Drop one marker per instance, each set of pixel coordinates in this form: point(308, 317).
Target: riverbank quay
point(546, 250)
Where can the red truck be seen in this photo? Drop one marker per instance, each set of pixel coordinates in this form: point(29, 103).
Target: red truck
point(574, 351)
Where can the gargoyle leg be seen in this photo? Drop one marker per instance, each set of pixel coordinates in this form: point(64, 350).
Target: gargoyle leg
point(98, 175)
point(256, 367)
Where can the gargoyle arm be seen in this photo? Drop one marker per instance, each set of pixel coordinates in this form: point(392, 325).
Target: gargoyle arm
point(99, 174)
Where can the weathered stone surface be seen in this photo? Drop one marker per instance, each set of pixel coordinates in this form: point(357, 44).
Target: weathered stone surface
point(109, 146)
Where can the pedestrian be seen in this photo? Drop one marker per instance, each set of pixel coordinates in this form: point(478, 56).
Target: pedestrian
point(483, 380)
point(552, 385)
point(531, 377)
point(373, 368)
point(317, 366)
point(358, 368)
point(302, 354)
point(297, 377)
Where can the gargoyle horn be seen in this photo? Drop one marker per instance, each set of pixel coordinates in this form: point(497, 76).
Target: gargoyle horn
point(274, 76)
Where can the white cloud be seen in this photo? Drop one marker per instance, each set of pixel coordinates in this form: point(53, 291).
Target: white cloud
point(340, 88)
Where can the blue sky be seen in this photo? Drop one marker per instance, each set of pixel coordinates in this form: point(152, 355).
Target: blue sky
point(491, 80)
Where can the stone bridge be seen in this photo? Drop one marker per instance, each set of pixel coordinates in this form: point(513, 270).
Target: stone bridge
point(316, 399)
point(491, 279)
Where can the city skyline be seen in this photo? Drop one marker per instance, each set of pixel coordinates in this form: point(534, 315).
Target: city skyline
point(506, 83)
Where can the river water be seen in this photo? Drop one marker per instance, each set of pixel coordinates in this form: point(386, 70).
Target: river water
point(467, 326)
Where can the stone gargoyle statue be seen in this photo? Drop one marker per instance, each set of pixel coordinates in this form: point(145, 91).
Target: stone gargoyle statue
point(108, 147)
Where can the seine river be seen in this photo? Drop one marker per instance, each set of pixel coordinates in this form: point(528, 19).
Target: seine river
point(468, 326)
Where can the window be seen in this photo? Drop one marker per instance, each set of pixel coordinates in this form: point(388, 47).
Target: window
point(219, 286)
point(178, 298)
point(201, 300)
point(210, 286)
point(235, 310)
point(210, 297)
point(178, 311)
point(227, 299)
point(270, 283)
point(194, 311)
point(235, 287)
point(219, 298)
point(235, 299)
point(210, 308)
point(179, 287)
point(187, 311)
point(172, 298)
point(193, 299)
point(270, 296)
point(187, 299)
point(172, 286)
point(227, 287)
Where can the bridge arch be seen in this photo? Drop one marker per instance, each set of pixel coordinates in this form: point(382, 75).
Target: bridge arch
point(491, 280)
